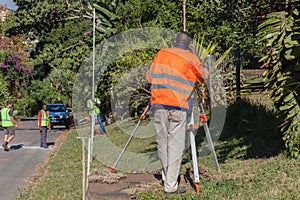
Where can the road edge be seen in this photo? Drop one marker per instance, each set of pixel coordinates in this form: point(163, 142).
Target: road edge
point(42, 168)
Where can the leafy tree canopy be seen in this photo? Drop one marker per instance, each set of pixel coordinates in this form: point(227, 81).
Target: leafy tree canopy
point(62, 31)
point(59, 37)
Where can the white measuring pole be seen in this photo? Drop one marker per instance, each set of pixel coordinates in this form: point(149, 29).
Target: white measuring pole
point(93, 85)
point(91, 139)
point(83, 168)
point(194, 153)
point(88, 163)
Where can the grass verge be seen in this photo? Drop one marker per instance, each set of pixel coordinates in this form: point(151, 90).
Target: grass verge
point(250, 152)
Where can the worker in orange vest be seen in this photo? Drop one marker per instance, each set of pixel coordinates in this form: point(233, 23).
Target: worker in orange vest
point(173, 74)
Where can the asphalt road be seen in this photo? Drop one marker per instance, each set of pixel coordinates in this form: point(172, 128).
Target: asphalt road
point(19, 164)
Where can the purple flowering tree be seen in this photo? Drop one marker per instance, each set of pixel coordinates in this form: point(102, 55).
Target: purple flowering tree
point(15, 73)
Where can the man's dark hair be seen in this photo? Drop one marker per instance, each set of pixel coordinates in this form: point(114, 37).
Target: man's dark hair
point(183, 38)
point(8, 102)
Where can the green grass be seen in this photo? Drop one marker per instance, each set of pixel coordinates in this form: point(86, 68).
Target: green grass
point(251, 157)
point(260, 178)
point(61, 178)
point(250, 153)
point(272, 178)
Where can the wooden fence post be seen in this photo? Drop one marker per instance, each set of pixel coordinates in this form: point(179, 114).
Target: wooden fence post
point(238, 72)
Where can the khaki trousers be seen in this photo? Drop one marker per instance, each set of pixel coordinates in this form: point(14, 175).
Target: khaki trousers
point(170, 127)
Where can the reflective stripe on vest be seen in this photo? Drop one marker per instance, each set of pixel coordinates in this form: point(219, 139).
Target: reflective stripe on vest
point(45, 118)
point(172, 75)
point(6, 121)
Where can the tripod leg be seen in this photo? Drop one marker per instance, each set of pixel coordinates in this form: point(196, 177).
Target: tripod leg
point(211, 147)
point(195, 161)
point(142, 117)
point(209, 140)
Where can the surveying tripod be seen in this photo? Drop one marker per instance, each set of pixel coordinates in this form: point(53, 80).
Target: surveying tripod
point(191, 129)
point(142, 117)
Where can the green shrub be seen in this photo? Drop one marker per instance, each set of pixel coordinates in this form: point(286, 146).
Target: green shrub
point(281, 31)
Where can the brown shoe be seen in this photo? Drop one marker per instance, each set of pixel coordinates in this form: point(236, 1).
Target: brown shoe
point(5, 147)
point(179, 190)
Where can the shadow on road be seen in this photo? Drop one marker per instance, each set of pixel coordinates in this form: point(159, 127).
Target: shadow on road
point(16, 147)
point(20, 146)
point(50, 143)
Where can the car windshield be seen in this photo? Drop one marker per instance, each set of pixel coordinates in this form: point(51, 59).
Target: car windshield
point(56, 108)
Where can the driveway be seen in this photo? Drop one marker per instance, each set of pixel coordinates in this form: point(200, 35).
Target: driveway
point(19, 165)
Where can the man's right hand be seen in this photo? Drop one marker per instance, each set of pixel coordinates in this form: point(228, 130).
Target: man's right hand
point(192, 48)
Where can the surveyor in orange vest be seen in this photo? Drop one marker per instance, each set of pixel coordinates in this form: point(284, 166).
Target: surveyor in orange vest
point(173, 74)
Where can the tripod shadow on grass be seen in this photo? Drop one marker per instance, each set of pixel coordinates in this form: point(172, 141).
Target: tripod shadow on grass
point(250, 131)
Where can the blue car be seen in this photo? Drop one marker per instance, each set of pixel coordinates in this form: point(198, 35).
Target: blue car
point(59, 115)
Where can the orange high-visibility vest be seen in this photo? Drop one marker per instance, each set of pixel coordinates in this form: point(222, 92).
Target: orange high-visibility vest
point(173, 75)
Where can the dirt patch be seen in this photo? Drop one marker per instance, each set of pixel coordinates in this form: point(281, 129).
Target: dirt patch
point(129, 186)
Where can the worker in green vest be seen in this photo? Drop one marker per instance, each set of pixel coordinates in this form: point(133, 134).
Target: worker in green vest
point(96, 106)
point(8, 123)
point(44, 124)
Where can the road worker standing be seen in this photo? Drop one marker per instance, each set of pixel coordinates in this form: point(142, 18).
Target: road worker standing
point(44, 124)
point(9, 124)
